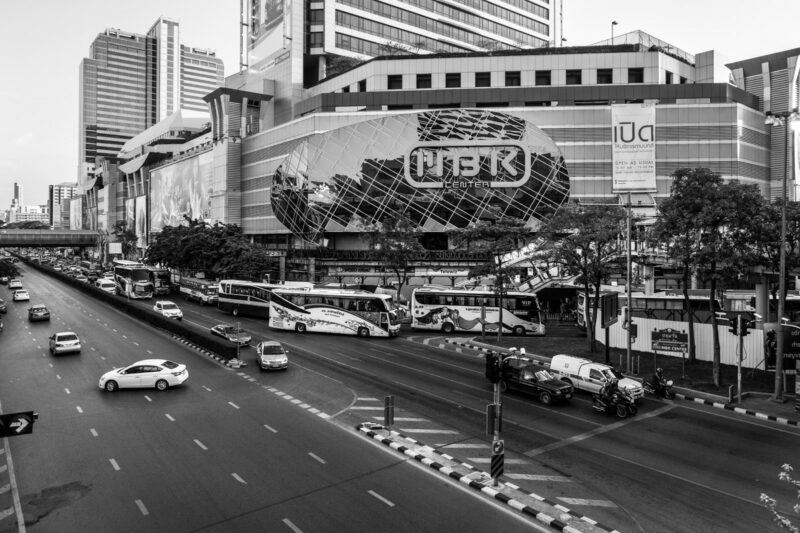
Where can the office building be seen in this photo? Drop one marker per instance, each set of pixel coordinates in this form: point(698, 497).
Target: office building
point(16, 201)
point(56, 195)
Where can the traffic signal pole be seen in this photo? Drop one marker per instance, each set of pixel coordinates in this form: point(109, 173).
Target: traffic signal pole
point(740, 329)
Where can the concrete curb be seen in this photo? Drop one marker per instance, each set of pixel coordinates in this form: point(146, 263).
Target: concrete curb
point(227, 362)
point(712, 400)
point(529, 504)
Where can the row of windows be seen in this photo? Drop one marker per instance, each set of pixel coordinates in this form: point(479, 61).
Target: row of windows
point(368, 305)
point(497, 11)
point(369, 48)
point(509, 302)
point(419, 21)
point(416, 40)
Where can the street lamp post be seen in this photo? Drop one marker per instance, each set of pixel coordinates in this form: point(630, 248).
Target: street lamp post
point(613, 23)
point(781, 119)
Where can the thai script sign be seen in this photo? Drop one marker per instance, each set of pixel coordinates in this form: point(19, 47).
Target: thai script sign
point(669, 340)
point(633, 147)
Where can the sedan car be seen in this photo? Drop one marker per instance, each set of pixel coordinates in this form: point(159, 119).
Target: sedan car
point(168, 309)
point(64, 342)
point(14, 283)
point(160, 374)
point(270, 355)
point(232, 333)
point(21, 295)
point(106, 285)
point(38, 312)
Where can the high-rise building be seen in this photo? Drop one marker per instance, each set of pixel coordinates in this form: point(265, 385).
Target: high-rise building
point(16, 202)
point(131, 82)
point(55, 199)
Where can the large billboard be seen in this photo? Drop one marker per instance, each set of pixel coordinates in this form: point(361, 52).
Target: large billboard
point(633, 147)
point(141, 221)
point(181, 189)
point(440, 169)
point(269, 29)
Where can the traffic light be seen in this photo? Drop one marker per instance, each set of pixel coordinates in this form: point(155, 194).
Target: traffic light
point(745, 328)
point(492, 367)
point(734, 325)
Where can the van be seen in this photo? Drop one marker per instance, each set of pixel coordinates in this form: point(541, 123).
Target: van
point(106, 285)
point(590, 376)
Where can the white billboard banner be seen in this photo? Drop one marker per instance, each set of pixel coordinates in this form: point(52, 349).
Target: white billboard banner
point(633, 147)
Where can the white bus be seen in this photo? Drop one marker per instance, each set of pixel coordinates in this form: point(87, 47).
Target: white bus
point(343, 311)
point(203, 290)
point(454, 310)
point(251, 297)
point(132, 279)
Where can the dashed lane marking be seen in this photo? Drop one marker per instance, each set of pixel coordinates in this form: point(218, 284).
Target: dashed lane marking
point(169, 417)
point(593, 503)
point(238, 478)
point(381, 498)
point(317, 458)
point(291, 526)
point(114, 464)
point(142, 508)
point(539, 477)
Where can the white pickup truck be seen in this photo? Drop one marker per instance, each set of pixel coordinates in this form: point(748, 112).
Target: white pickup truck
point(590, 376)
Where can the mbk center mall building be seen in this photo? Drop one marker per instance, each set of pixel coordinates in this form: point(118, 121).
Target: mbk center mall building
point(448, 139)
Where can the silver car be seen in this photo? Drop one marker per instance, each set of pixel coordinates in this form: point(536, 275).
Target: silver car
point(270, 355)
point(65, 342)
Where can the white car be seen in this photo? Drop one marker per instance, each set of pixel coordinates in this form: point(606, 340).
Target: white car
point(160, 374)
point(270, 355)
point(14, 283)
point(64, 342)
point(106, 285)
point(21, 295)
point(168, 309)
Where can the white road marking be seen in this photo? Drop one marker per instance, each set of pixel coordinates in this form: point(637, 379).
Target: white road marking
point(317, 458)
point(593, 503)
point(146, 397)
point(359, 399)
point(5, 488)
point(538, 477)
point(381, 498)
point(93, 432)
point(141, 507)
point(464, 445)
point(238, 478)
point(169, 417)
point(506, 460)
point(6, 513)
point(292, 526)
point(202, 446)
point(366, 408)
point(206, 388)
point(135, 343)
point(233, 405)
point(403, 419)
point(57, 375)
point(114, 464)
point(271, 428)
point(78, 407)
point(150, 352)
point(430, 431)
point(66, 390)
point(124, 336)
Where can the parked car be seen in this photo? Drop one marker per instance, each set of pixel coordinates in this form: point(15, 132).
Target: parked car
point(106, 285)
point(38, 312)
point(4, 280)
point(160, 374)
point(530, 376)
point(232, 333)
point(168, 309)
point(270, 355)
point(3, 306)
point(81, 277)
point(14, 283)
point(64, 342)
point(21, 295)
point(590, 376)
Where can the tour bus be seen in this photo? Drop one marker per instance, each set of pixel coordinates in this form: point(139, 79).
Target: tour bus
point(160, 278)
point(132, 279)
point(251, 297)
point(454, 310)
point(204, 291)
point(343, 311)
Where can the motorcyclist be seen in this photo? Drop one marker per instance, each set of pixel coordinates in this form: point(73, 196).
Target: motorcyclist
point(659, 382)
point(607, 392)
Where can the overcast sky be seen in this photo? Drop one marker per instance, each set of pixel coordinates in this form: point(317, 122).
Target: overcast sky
point(42, 43)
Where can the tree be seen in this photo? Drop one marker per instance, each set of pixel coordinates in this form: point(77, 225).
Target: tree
point(707, 225)
point(126, 237)
point(9, 269)
point(771, 504)
point(585, 241)
point(396, 240)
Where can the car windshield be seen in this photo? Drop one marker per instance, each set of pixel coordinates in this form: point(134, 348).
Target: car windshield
point(38, 308)
point(271, 350)
point(169, 306)
point(67, 337)
point(544, 375)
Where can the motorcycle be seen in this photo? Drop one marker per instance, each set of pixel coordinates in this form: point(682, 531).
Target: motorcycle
point(620, 404)
point(665, 392)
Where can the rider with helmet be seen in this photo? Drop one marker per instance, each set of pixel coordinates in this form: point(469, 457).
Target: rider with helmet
point(659, 381)
point(607, 391)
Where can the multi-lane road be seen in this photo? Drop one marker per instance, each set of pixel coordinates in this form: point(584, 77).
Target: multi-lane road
point(242, 450)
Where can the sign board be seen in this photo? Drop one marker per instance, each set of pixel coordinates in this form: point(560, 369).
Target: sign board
point(609, 307)
point(14, 424)
point(440, 272)
point(791, 342)
point(633, 150)
point(669, 340)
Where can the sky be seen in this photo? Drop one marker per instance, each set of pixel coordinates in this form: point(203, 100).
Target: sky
point(43, 42)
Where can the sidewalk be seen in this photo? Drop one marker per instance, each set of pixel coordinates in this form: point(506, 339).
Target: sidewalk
point(756, 404)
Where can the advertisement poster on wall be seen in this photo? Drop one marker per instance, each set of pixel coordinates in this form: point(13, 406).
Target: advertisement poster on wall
point(141, 221)
point(130, 212)
point(182, 189)
point(633, 137)
point(270, 28)
point(76, 213)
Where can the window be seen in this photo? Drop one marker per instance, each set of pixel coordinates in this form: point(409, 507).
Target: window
point(668, 77)
point(394, 82)
point(542, 77)
point(683, 80)
point(423, 81)
point(452, 79)
point(513, 79)
point(636, 75)
point(362, 86)
point(605, 76)
point(573, 77)
point(346, 89)
point(483, 79)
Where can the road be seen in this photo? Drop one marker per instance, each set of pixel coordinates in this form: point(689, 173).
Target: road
point(221, 453)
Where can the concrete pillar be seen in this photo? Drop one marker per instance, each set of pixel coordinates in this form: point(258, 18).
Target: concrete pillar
point(282, 269)
point(762, 299)
point(312, 268)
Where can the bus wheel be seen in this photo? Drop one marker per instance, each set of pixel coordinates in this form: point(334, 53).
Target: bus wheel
point(300, 327)
point(448, 328)
point(519, 331)
point(235, 311)
point(363, 332)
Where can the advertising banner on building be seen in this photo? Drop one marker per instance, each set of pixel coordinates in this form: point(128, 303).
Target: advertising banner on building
point(633, 153)
point(269, 29)
point(182, 189)
point(141, 221)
